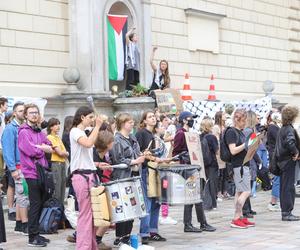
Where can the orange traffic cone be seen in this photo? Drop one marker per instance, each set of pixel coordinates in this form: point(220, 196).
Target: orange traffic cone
point(186, 92)
point(212, 94)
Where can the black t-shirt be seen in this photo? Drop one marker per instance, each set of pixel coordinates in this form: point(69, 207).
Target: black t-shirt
point(213, 145)
point(96, 158)
point(271, 137)
point(236, 136)
point(66, 142)
point(144, 137)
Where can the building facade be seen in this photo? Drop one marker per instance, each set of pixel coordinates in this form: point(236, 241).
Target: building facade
point(242, 43)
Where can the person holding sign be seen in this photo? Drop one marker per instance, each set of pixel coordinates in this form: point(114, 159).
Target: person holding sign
point(161, 77)
point(235, 139)
point(186, 122)
point(255, 162)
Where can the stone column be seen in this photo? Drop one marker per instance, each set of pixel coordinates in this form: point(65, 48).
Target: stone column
point(88, 41)
point(86, 44)
point(146, 73)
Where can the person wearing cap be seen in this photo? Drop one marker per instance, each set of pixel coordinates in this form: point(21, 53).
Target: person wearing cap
point(186, 122)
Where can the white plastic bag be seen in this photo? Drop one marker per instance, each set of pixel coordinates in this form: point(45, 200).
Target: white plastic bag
point(70, 212)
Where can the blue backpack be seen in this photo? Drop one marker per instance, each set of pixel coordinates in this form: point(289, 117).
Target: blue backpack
point(50, 220)
point(51, 216)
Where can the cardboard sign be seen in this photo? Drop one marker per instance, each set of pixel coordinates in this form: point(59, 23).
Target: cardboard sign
point(169, 101)
point(195, 151)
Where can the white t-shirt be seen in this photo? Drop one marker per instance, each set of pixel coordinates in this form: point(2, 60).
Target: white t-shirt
point(81, 157)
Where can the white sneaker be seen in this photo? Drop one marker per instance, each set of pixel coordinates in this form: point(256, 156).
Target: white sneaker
point(219, 199)
point(167, 221)
point(274, 208)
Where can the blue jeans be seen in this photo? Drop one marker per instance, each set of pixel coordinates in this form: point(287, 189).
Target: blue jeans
point(276, 187)
point(253, 189)
point(149, 223)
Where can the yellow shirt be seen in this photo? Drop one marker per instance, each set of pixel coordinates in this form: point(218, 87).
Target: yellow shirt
point(56, 142)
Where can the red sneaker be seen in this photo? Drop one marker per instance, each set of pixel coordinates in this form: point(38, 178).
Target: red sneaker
point(248, 223)
point(238, 224)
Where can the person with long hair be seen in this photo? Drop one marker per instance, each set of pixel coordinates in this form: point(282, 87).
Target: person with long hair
point(161, 77)
point(126, 150)
point(250, 128)
point(217, 130)
point(211, 168)
point(235, 139)
point(287, 154)
point(274, 124)
point(149, 223)
point(66, 133)
point(162, 151)
point(58, 159)
point(83, 172)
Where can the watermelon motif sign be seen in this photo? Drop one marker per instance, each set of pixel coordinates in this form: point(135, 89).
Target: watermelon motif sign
point(252, 144)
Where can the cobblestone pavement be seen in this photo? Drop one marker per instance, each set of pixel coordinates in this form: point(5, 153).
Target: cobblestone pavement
point(270, 232)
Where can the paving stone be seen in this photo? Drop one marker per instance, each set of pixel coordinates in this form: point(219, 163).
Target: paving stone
point(270, 232)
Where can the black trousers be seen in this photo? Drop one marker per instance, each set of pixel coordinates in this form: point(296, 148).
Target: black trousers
point(124, 228)
point(36, 199)
point(222, 181)
point(2, 225)
point(133, 78)
point(247, 206)
point(287, 188)
point(187, 214)
point(212, 175)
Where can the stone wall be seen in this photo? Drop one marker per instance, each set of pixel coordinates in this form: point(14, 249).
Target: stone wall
point(259, 40)
point(255, 46)
point(33, 47)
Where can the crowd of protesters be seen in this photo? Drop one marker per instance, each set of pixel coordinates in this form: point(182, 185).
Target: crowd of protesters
point(90, 144)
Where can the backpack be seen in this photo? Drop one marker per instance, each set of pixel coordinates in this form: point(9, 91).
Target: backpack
point(49, 220)
point(51, 217)
point(206, 154)
point(225, 154)
point(45, 179)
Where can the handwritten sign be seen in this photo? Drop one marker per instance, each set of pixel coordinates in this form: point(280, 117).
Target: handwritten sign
point(195, 151)
point(253, 144)
point(169, 101)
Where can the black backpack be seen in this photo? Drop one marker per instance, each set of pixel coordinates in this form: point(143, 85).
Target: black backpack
point(207, 157)
point(225, 154)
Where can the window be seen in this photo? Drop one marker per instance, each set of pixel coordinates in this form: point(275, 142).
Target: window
point(203, 30)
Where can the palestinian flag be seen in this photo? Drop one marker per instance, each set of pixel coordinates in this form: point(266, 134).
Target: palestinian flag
point(116, 29)
point(252, 139)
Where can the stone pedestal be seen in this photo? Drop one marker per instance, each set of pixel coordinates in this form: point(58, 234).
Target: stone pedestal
point(67, 104)
point(134, 106)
